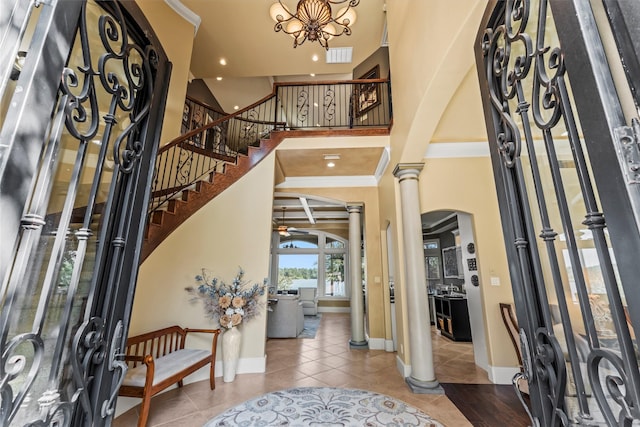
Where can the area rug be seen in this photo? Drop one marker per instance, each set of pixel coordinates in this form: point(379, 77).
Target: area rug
point(311, 324)
point(323, 406)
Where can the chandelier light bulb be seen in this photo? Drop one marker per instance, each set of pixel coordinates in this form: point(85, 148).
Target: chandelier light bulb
point(346, 16)
point(329, 31)
point(294, 27)
point(279, 10)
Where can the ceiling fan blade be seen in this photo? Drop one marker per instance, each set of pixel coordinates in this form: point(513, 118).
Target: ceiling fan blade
point(295, 230)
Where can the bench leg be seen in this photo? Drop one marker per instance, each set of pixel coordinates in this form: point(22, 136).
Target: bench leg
point(180, 383)
point(212, 376)
point(144, 410)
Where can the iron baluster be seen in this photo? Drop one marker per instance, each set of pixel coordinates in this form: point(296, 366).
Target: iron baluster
point(329, 106)
point(302, 107)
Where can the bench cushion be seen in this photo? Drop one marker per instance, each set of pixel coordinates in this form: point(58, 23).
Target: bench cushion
point(165, 366)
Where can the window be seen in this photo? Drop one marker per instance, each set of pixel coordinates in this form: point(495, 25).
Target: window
point(316, 259)
point(334, 244)
point(296, 271)
point(301, 241)
point(334, 280)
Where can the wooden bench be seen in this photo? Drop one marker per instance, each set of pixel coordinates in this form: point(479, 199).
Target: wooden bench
point(158, 360)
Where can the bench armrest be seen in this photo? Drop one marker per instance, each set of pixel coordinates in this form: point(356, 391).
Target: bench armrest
point(147, 360)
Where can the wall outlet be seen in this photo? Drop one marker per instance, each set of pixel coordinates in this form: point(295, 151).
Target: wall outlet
point(495, 281)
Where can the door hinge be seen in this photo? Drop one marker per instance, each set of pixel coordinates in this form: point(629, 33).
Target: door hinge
point(628, 141)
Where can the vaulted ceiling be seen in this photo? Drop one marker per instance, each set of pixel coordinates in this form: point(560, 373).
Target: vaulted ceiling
point(242, 33)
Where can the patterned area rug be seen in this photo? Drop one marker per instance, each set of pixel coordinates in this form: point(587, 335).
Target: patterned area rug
point(323, 406)
point(311, 324)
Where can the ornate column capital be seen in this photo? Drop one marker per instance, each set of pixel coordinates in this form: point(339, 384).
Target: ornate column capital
point(407, 170)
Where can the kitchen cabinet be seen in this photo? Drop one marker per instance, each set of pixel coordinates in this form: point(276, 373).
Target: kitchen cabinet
point(452, 317)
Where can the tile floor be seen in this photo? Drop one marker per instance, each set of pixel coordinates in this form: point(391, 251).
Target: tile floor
point(324, 361)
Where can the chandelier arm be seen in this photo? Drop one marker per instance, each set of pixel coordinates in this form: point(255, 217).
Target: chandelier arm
point(291, 15)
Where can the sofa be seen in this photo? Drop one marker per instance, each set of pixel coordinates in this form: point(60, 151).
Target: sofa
point(285, 318)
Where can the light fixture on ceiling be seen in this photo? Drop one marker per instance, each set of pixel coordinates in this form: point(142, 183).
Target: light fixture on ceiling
point(329, 158)
point(314, 20)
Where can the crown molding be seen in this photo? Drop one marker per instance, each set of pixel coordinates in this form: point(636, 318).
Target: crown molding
point(186, 13)
point(445, 150)
point(329, 181)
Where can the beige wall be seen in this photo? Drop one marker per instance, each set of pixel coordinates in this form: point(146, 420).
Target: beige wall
point(377, 297)
point(230, 231)
point(436, 97)
point(378, 310)
point(176, 36)
point(429, 61)
point(473, 191)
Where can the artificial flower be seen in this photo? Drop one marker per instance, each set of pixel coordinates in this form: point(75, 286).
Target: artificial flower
point(232, 304)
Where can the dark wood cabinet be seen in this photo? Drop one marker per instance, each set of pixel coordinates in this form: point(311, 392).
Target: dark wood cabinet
point(452, 318)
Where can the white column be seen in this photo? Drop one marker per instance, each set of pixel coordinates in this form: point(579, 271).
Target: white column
point(358, 339)
point(422, 378)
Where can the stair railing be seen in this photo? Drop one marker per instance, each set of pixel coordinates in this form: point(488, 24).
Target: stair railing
point(197, 114)
point(322, 105)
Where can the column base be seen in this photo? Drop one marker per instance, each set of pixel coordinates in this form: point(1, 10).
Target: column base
point(424, 387)
point(359, 345)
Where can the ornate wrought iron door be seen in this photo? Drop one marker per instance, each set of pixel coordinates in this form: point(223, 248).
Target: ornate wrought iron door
point(558, 85)
point(82, 92)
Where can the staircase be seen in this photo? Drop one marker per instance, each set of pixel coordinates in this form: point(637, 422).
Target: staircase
point(189, 200)
point(203, 162)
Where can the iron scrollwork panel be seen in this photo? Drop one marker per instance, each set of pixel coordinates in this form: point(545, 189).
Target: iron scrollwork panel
point(584, 367)
point(59, 328)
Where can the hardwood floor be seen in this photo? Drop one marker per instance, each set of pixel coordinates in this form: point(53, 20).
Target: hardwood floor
point(487, 405)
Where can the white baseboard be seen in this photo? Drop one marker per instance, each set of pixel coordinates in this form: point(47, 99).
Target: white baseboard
point(405, 370)
point(253, 365)
point(376, 343)
point(250, 365)
point(388, 346)
point(334, 309)
point(502, 374)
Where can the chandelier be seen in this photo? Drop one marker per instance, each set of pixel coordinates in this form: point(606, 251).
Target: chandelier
point(314, 20)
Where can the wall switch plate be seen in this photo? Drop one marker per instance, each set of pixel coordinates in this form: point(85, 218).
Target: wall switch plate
point(495, 281)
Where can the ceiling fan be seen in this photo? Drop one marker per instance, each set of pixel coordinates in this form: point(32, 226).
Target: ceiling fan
point(285, 231)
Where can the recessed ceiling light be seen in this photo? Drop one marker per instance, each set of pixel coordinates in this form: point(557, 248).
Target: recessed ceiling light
point(218, 78)
point(315, 104)
point(312, 74)
point(223, 61)
point(314, 58)
point(235, 107)
point(330, 164)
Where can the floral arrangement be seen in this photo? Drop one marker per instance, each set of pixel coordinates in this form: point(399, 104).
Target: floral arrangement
point(232, 304)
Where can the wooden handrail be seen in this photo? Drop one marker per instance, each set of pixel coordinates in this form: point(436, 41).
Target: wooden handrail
point(205, 105)
point(213, 124)
point(273, 93)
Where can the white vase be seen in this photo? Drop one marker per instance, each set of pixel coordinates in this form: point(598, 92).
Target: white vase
point(231, 340)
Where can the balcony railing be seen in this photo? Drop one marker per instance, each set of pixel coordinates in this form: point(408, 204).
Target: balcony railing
point(206, 149)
